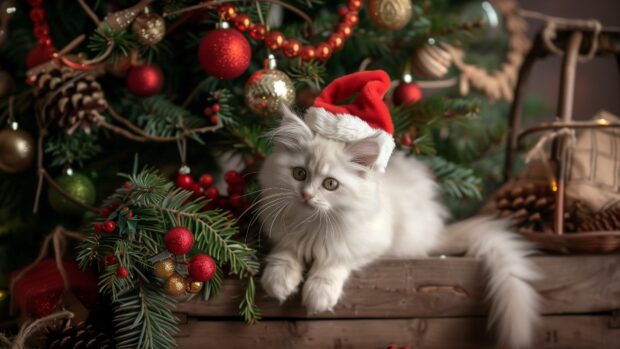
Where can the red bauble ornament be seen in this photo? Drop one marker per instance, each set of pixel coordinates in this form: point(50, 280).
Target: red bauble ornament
point(258, 31)
point(109, 226)
point(145, 80)
point(291, 48)
point(308, 53)
point(323, 51)
point(202, 267)
point(407, 93)
point(184, 181)
point(224, 53)
point(274, 40)
point(206, 180)
point(39, 55)
point(38, 292)
point(122, 272)
point(179, 240)
point(242, 22)
point(336, 41)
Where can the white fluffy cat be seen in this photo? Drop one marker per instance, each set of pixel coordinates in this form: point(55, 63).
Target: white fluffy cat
point(323, 204)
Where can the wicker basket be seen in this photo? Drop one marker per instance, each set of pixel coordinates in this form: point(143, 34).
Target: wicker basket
point(573, 41)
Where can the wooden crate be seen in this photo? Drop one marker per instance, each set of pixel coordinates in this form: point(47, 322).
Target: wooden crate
point(425, 303)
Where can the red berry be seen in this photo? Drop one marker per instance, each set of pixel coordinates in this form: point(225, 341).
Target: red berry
point(351, 19)
point(291, 48)
point(127, 185)
point(98, 228)
point(215, 108)
point(214, 119)
point(130, 215)
point(236, 200)
point(122, 272)
point(110, 259)
point(233, 177)
point(342, 11)
point(105, 212)
point(308, 53)
point(406, 140)
point(184, 181)
point(113, 205)
point(206, 180)
point(212, 193)
point(179, 240)
point(208, 111)
point(109, 226)
point(222, 203)
point(236, 188)
point(323, 51)
point(197, 189)
point(202, 267)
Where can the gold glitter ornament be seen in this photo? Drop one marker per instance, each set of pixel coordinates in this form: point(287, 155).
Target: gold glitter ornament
point(431, 60)
point(194, 286)
point(174, 286)
point(164, 269)
point(267, 90)
point(149, 28)
point(390, 14)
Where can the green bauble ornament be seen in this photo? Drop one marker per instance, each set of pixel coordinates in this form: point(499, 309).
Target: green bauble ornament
point(79, 187)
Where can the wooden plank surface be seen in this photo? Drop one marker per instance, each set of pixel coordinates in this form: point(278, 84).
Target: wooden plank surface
point(436, 287)
point(555, 332)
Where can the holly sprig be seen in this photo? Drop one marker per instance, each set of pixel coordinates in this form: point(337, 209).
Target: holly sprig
point(143, 210)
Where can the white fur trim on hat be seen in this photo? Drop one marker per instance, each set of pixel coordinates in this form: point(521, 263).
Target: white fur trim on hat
point(350, 128)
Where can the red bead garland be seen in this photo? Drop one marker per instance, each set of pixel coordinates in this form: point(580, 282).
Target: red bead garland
point(44, 51)
point(292, 48)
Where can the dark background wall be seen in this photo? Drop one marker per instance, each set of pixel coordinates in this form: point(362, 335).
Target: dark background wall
point(598, 81)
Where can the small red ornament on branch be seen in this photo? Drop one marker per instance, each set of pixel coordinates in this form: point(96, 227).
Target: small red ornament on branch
point(179, 240)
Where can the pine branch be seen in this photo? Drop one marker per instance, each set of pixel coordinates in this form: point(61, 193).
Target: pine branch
point(456, 181)
point(78, 147)
point(143, 319)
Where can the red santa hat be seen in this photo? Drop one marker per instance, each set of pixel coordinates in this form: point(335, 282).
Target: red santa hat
point(365, 117)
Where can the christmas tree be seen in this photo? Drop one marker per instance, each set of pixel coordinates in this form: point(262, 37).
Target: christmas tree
point(117, 117)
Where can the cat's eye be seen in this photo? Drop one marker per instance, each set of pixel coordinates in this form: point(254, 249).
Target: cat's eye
point(299, 173)
point(330, 184)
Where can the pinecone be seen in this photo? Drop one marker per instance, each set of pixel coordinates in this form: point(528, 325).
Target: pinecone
point(608, 219)
point(70, 97)
point(530, 208)
point(79, 336)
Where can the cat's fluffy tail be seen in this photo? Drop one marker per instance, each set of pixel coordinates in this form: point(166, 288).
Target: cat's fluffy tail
point(514, 307)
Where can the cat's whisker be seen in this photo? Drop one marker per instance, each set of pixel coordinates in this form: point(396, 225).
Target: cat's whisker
point(265, 198)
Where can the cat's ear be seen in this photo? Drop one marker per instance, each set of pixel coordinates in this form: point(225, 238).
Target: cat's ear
point(365, 152)
point(292, 131)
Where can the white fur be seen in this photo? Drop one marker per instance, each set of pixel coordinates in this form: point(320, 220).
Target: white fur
point(371, 215)
point(350, 128)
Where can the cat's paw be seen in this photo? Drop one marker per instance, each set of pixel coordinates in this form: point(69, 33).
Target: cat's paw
point(321, 294)
point(280, 280)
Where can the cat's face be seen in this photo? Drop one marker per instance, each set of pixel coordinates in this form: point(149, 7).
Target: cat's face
point(308, 174)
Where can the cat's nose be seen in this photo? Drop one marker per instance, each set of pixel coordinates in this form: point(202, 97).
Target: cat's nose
point(307, 196)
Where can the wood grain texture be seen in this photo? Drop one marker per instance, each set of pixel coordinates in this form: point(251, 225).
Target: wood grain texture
point(555, 332)
point(435, 287)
